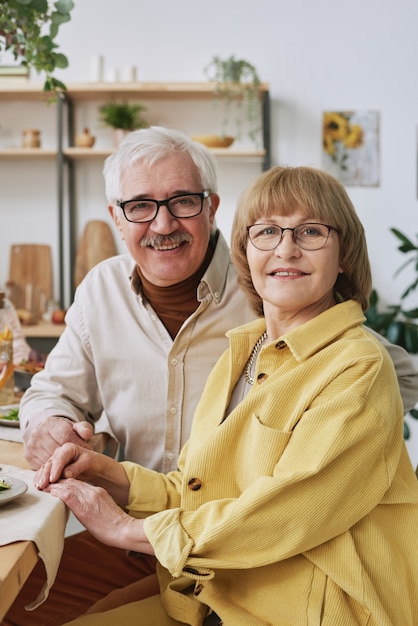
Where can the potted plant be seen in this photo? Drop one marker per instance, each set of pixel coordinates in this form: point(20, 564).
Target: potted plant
point(28, 29)
point(123, 117)
point(399, 324)
point(236, 84)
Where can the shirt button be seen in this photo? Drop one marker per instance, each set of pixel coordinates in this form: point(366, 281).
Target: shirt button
point(173, 410)
point(194, 484)
point(173, 361)
point(170, 456)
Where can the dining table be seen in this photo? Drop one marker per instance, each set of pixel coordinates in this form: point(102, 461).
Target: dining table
point(37, 525)
point(17, 559)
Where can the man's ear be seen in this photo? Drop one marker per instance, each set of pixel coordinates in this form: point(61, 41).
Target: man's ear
point(214, 204)
point(115, 215)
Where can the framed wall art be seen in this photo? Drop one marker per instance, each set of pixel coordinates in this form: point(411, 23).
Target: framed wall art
point(350, 147)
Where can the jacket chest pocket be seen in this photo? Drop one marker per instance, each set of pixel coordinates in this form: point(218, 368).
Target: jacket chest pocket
point(263, 448)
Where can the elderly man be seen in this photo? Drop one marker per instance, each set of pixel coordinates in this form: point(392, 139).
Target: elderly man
point(142, 335)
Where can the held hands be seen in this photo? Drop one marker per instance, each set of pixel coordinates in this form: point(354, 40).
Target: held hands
point(68, 461)
point(93, 505)
point(41, 440)
point(101, 516)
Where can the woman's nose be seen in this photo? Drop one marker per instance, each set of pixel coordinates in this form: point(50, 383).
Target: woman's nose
point(287, 246)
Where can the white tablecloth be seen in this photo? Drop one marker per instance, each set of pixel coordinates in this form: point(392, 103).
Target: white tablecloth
point(10, 433)
point(35, 516)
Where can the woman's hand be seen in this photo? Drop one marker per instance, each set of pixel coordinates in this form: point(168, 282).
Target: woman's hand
point(102, 517)
point(73, 461)
point(67, 461)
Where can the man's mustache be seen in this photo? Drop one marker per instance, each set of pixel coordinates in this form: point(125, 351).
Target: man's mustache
point(160, 241)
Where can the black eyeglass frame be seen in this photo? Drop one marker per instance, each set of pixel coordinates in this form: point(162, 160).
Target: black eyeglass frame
point(330, 228)
point(158, 203)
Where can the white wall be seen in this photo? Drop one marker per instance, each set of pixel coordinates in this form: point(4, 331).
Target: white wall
point(326, 55)
point(316, 56)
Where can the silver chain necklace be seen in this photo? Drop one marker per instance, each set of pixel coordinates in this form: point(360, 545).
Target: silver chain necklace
point(253, 356)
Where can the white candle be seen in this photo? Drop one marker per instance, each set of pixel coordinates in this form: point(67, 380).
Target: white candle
point(128, 74)
point(112, 75)
point(96, 68)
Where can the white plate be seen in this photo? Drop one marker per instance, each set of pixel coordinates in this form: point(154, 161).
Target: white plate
point(18, 488)
point(4, 409)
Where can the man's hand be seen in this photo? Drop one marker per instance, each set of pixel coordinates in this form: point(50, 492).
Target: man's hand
point(42, 439)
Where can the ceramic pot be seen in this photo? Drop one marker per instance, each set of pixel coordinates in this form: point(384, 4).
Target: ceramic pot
point(85, 139)
point(119, 135)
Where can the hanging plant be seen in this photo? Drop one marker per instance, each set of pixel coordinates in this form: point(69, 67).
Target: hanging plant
point(237, 87)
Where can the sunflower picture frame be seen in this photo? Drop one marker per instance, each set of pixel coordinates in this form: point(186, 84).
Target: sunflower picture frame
point(350, 147)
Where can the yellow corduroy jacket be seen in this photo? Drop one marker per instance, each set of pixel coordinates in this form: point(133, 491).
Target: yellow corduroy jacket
point(301, 507)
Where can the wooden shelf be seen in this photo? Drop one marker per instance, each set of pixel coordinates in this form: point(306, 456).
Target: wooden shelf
point(24, 90)
point(15, 90)
point(228, 153)
point(27, 153)
point(146, 91)
point(79, 96)
point(43, 330)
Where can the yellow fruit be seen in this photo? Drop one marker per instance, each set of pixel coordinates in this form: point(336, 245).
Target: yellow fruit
point(7, 334)
point(5, 374)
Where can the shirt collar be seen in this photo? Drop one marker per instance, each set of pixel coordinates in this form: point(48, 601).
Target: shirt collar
point(311, 336)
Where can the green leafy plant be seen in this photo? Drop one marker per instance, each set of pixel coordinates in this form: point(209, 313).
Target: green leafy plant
point(407, 247)
point(237, 86)
point(398, 324)
point(28, 29)
point(123, 115)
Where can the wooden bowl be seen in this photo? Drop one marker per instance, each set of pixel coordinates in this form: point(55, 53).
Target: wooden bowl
point(214, 141)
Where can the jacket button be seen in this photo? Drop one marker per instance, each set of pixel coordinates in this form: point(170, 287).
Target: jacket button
point(194, 484)
point(261, 377)
point(280, 345)
point(198, 589)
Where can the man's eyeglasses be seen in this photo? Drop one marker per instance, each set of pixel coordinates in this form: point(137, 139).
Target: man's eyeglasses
point(146, 209)
point(307, 236)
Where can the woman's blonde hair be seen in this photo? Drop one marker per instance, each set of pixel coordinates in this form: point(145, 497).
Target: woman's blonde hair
point(284, 190)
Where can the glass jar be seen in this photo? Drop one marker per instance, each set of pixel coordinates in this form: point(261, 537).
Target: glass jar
point(7, 385)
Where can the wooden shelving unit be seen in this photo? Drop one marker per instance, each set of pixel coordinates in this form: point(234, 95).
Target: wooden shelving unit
point(66, 154)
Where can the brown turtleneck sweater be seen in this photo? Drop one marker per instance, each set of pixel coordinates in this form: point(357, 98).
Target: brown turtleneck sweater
point(175, 303)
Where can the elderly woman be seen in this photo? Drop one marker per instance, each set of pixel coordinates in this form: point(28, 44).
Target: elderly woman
point(295, 501)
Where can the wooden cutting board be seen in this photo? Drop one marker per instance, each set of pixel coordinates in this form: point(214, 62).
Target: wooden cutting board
point(30, 277)
point(96, 244)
